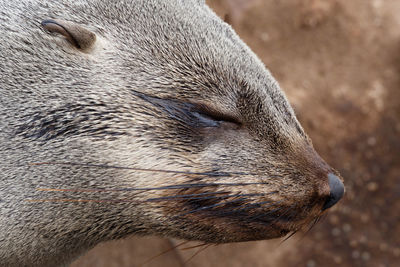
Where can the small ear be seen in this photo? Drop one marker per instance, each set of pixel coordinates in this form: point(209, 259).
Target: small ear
point(78, 36)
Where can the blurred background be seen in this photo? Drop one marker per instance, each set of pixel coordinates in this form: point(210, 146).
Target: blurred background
point(338, 62)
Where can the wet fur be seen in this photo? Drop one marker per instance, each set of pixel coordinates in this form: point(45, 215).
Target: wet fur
point(131, 102)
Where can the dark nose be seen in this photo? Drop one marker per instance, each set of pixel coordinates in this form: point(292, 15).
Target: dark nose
point(336, 191)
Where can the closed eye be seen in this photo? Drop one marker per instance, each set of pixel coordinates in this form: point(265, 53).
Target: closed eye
point(194, 115)
point(214, 117)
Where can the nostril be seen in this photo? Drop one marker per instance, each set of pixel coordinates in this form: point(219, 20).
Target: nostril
point(336, 191)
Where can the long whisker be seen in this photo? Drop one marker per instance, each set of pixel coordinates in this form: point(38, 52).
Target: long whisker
point(180, 186)
point(192, 247)
point(313, 223)
point(100, 190)
point(80, 200)
point(142, 201)
point(163, 252)
point(197, 252)
point(219, 174)
point(322, 217)
point(287, 237)
point(206, 197)
point(192, 195)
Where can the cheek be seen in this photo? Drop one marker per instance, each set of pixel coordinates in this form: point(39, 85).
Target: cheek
point(229, 144)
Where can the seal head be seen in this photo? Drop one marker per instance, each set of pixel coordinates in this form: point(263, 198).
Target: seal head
point(146, 117)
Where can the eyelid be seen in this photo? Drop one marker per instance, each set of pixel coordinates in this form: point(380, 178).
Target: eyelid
point(192, 114)
point(215, 115)
point(205, 120)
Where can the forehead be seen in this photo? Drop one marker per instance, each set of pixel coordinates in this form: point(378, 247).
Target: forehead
point(186, 45)
point(189, 50)
point(185, 52)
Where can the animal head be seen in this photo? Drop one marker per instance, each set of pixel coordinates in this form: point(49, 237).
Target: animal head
point(153, 117)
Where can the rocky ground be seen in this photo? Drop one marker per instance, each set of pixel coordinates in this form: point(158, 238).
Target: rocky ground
point(339, 63)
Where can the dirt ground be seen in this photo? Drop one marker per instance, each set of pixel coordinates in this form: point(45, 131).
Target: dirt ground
point(338, 62)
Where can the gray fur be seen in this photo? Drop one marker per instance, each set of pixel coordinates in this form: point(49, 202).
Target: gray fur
point(60, 104)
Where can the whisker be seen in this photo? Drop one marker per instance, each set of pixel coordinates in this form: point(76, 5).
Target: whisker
point(77, 190)
point(210, 206)
point(136, 201)
point(189, 196)
point(83, 200)
point(267, 213)
point(219, 174)
point(180, 186)
point(249, 206)
point(192, 247)
point(285, 212)
point(275, 219)
point(197, 252)
point(164, 252)
point(289, 236)
point(322, 217)
point(207, 197)
point(313, 223)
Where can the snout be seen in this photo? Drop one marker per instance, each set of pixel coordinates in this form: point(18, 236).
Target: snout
point(336, 191)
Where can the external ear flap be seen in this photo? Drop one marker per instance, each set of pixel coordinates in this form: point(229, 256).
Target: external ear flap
point(78, 36)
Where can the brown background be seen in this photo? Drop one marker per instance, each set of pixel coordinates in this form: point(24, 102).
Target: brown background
point(338, 62)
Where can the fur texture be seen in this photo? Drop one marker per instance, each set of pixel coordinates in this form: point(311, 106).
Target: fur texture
point(167, 86)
